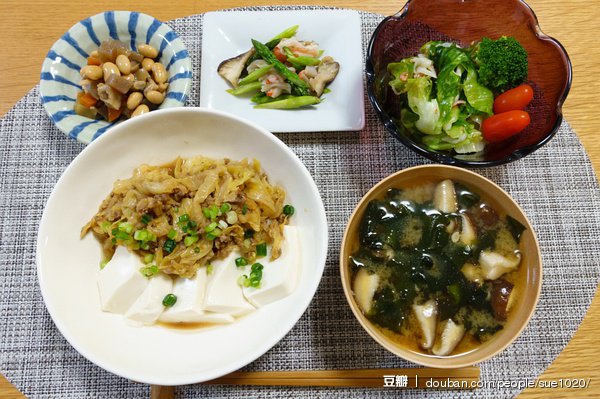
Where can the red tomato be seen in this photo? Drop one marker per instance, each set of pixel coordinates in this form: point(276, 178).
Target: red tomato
point(502, 126)
point(517, 98)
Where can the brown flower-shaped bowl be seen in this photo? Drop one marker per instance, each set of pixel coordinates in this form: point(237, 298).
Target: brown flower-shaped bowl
point(459, 21)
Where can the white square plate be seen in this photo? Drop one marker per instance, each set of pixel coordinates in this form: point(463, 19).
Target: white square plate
point(227, 34)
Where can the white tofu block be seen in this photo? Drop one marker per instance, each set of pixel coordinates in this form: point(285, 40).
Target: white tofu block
point(223, 294)
point(190, 297)
point(120, 282)
point(148, 307)
point(216, 318)
point(280, 277)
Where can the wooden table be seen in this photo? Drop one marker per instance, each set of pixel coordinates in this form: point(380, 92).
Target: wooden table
point(29, 28)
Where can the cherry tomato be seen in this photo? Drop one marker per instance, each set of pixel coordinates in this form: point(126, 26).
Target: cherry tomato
point(511, 100)
point(502, 126)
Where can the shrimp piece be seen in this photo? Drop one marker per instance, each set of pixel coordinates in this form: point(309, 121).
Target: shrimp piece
point(305, 49)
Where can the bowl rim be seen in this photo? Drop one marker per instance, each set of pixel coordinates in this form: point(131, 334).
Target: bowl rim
point(104, 125)
point(447, 159)
point(447, 362)
point(255, 353)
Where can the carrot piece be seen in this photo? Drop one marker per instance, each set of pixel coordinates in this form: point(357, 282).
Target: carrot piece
point(87, 100)
point(113, 113)
point(93, 61)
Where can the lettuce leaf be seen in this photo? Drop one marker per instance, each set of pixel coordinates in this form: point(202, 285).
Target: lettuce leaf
point(419, 92)
point(397, 69)
point(479, 97)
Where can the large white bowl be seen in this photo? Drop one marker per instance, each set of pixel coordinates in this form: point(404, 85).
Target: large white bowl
point(67, 266)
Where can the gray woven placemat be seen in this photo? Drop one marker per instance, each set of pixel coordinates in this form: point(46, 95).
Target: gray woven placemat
point(556, 187)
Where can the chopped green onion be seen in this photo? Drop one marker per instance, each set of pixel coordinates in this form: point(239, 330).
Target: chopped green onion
point(249, 233)
point(257, 266)
point(126, 227)
point(114, 231)
point(148, 258)
point(192, 225)
point(261, 249)
point(246, 282)
point(149, 271)
point(184, 218)
point(254, 282)
point(241, 280)
point(172, 234)
point(169, 246)
point(121, 235)
point(141, 235)
point(211, 236)
point(223, 224)
point(197, 250)
point(209, 269)
point(105, 226)
point(189, 240)
point(103, 263)
point(225, 208)
point(214, 212)
point(176, 209)
point(184, 229)
point(146, 219)
point(288, 210)
point(169, 300)
point(151, 237)
point(216, 232)
point(136, 246)
point(113, 241)
point(244, 209)
point(246, 243)
point(145, 246)
point(232, 217)
point(241, 261)
point(210, 227)
point(206, 212)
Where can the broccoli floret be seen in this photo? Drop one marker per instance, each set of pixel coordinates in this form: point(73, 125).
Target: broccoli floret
point(502, 63)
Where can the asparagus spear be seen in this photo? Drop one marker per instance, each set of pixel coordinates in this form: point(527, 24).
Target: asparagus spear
point(253, 77)
point(299, 86)
point(271, 44)
point(245, 88)
point(291, 102)
point(262, 98)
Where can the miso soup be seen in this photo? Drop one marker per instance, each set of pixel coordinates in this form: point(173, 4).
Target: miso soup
point(436, 267)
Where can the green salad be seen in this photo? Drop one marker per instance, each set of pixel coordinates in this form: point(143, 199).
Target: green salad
point(447, 92)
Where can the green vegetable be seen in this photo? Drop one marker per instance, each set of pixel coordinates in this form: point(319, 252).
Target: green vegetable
point(249, 233)
point(169, 300)
point(286, 34)
point(289, 103)
point(479, 97)
point(225, 208)
point(300, 87)
point(190, 240)
point(261, 249)
point(288, 210)
point(172, 234)
point(146, 219)
point(401, 71)
point(241, 261)
point(149, 271)
point(184, 218)
point(197, 250)
point(245, 88)
point(262, 98)
point(303, 61)
point(192, 225)
point(244, 209)
point(253, 77)
point(148, 258)
point(169, 246)
point(209, 269)
point(105, 226)
point(103, 263)
point(419, 91)
point(502, 63)
point(210, 227)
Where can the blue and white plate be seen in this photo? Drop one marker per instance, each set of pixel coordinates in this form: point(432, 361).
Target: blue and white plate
point(59, 83)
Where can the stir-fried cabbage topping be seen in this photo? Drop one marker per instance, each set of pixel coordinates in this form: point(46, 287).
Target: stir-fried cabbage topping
point(184, 214)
